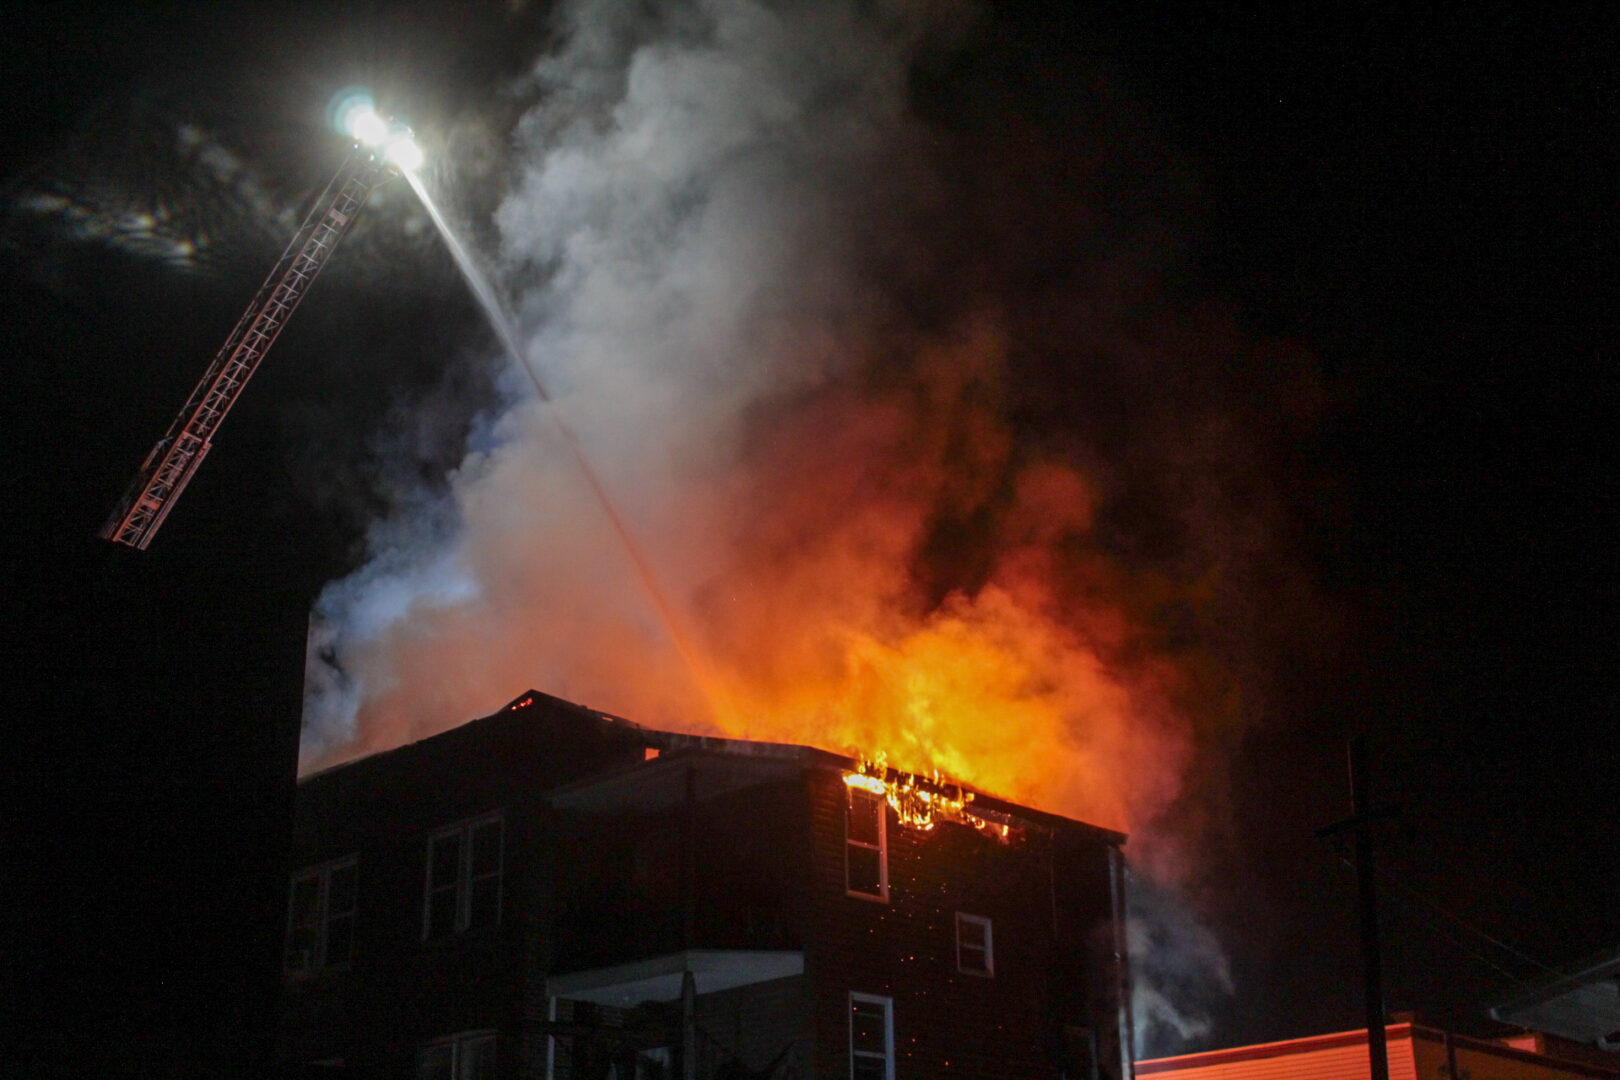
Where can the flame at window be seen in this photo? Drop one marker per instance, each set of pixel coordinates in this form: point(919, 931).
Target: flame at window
point(921, 802)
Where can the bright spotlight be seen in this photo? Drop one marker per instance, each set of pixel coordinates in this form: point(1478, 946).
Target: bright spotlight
point(403, 151)
point(354, 113)
point(367, 127)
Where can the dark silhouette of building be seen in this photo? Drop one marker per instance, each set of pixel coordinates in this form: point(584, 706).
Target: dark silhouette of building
point(554, 892)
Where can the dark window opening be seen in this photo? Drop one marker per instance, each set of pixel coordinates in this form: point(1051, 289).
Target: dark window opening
point(464, 866)
point(975, 945)
point(871, 1037)
point(320, 917)
point(469, 1056)
point(866, 851)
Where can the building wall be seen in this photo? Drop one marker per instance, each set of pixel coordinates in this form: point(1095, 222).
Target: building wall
point(947, 1023)
point(1340, 1057)
point(757, 1030)
point(762, 857)
point(756, 1027)
point(621, 878)
point(401, 992)
point(1415, 1053)
point(1442, 1057)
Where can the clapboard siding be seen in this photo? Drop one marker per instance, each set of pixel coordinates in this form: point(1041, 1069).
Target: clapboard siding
point(599, 872)
point(1415, 1052)
point(946, 1023)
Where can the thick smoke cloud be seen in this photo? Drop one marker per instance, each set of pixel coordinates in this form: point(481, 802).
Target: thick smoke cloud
point(861, 313)
point(697, 190)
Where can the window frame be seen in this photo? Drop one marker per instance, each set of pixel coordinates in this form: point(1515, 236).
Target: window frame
point(887, 1004)
point(463, 832)
point(988, 971)
point(460, 1044)
point(881, 847)
point(317, 958)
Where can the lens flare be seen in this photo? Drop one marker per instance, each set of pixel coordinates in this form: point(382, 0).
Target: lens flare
point(353, 112)
point(349, 110)
point(403, 151)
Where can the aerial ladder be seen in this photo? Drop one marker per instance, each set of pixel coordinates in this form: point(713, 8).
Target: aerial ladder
point(174, 460)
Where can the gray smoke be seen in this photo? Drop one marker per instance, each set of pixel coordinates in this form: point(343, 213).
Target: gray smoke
point(696, 189)
point(815, 291)
point(1180, 975)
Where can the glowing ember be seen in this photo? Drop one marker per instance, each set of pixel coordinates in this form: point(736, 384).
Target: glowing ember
point(920, 802)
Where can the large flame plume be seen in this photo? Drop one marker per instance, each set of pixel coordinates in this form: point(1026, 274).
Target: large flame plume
point(873, 365)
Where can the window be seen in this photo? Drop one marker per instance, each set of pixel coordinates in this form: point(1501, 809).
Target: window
point(1079, 1058)
point(871, 1037)
point(468, 1056)
point(320, 916)
point(866, 846)
point(463, 878)
point(975, 948)
point(654, 1064)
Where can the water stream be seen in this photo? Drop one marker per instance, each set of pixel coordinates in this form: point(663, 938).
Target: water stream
point(495, 312)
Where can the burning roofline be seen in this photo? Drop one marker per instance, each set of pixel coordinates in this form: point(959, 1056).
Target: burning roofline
point(992, 808)
point(856, 772)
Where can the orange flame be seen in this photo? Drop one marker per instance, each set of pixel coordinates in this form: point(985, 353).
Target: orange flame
point(921, 802)
point(828, 610)
point(1018, 687)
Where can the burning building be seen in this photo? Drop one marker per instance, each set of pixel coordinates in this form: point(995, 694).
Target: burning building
point(553, 891)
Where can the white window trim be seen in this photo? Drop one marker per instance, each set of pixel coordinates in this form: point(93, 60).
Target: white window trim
point(881, 847)
point(464, 881)
point(322, 872)
point(989, 969)
point(888, 1032)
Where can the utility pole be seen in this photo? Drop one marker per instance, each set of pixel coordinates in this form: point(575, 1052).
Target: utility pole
point(1360, 822)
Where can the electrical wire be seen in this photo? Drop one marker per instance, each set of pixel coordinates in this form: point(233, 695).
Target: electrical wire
point(1409, 890)
point(1390, 878)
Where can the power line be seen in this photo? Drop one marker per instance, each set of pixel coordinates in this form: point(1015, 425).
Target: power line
point(1400, 885)
point(1390, 877)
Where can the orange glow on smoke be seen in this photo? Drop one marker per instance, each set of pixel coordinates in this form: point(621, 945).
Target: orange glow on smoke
point(1018, 663)
point(983, 691)
point(1016, 688)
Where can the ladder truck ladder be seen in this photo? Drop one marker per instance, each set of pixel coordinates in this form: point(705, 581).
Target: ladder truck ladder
point(172, 462)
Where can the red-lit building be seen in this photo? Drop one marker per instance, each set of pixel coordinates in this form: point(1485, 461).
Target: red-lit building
point(551, 892)
point(1416, 1052)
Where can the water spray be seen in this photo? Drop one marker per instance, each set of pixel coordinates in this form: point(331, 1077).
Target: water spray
point(382, 145)
point(502, 324)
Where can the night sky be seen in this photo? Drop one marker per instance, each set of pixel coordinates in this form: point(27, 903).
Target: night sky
point(1420, 206)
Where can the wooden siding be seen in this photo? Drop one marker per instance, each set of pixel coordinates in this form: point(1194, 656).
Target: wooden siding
point(401, 992)
point(584, 889)
point(1415, 1053)
point(1477, 1059)
point(755, 1026)
point(947, 1023)
point(1334, 1057)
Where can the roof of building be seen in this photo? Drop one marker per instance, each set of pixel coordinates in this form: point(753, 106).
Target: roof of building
point(726, 764)
point(1342, 1056)
point(1582, 1003)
